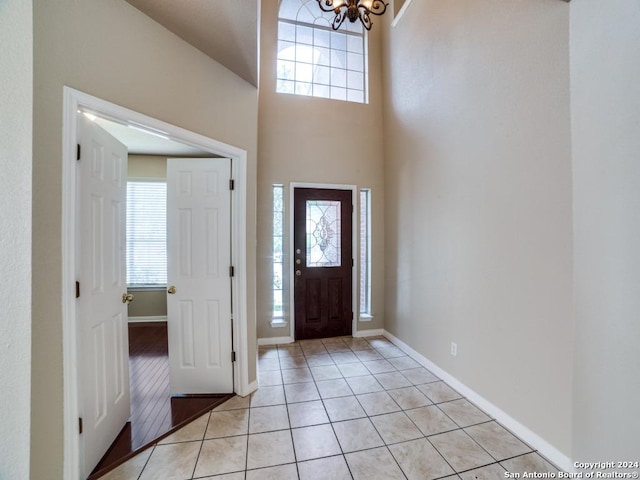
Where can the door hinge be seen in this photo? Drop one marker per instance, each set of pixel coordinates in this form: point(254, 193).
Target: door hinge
point(233, 357)
point(78, 152)
point(77, 289)
point(232, 271)
point(232, 184)
point(352, 262)
point(80, 425)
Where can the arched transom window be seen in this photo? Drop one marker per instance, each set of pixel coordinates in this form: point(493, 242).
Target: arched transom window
point(317, 61)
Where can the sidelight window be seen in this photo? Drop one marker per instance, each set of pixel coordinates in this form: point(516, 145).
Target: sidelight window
point(365, 253)
point(278, 257)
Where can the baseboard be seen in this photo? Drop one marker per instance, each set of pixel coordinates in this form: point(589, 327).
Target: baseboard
point(275, 341)
point(248, 389)
point(534, 440)
point(148, 319)
point(374, 332)
point(284, 340)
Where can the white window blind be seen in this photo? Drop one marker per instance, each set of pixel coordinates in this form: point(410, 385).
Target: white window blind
point(146, 233)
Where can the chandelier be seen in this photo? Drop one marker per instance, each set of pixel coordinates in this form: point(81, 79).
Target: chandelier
point(353, 10)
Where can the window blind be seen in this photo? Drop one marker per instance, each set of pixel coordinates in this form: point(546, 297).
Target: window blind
point(146, 233)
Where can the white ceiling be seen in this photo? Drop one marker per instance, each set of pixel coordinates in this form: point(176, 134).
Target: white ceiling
point(225, 30)
point(142, 143)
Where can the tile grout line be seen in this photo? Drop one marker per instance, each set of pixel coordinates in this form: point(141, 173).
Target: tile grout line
point(385, 390)
point(204, 434)
point(147, 462)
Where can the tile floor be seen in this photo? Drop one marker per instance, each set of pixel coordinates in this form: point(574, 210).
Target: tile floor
point(339, 408)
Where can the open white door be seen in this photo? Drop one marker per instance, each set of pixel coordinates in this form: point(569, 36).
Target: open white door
point(103, 339)
point(198, 261)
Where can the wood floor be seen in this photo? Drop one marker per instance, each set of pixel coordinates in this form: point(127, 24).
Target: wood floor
point(154, 412)
point(149, 380)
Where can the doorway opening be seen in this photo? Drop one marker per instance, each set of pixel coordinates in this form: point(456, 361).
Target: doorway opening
point(75, 101)
point(158, 402)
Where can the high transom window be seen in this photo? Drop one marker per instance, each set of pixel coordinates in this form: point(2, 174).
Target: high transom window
point(315, 60)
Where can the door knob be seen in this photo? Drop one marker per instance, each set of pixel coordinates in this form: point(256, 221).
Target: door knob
point(127, 297)
point(171, 290)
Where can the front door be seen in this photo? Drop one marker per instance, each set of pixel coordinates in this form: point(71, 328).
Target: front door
point(103, 343)
point(323, 262)
point(198, 269)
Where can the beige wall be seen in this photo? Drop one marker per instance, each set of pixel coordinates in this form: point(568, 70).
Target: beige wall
point(16, 102)
point(147, 166)
point(111, 50)
point(605, 74)
point(312, 140)
point(147, 303)
point(478, 211)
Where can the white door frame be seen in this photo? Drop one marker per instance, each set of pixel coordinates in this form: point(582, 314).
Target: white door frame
point(354, 251)
point(75, 101)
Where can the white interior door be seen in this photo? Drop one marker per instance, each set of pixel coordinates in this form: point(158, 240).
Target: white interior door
point(103, 340)
point(198, 261)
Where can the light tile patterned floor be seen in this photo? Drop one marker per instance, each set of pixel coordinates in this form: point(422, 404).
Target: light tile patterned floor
point(339, 408)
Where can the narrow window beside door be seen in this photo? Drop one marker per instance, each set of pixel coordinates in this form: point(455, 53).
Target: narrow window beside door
point(146, 233)
point(278, 257)
point(365, 254)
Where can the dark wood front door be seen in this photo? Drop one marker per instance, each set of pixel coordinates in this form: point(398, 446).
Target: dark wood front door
point(323, 262)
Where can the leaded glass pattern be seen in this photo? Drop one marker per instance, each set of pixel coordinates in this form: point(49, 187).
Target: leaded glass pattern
point(365, 252)
point(278, 257)
point(323, 233)
point(315, 60)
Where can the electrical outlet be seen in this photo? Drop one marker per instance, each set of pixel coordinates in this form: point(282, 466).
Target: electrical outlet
point(454, 349)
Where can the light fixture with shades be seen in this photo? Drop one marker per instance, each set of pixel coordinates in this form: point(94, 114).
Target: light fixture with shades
point(353, 10)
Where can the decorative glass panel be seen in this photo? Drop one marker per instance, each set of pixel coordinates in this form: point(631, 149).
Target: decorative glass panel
point(365, 252)
point(278, 257)
point(323, 233)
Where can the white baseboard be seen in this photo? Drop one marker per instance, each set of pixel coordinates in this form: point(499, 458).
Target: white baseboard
point(534, 440)
point(248, 389)
point(368, 333)
point(147, 319)
point(275, 341)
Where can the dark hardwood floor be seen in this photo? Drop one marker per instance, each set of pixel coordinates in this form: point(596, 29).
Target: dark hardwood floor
point(149, 380)
point(154, 412)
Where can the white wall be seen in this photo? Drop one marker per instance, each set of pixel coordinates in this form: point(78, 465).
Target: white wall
point(605, 79)
point(478, 200)
point(312, 140)
point(112, 51)
point(16, 100)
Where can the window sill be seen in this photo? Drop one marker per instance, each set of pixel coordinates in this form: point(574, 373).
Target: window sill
point(366, 317)
point(147, 288)
point(278, 323)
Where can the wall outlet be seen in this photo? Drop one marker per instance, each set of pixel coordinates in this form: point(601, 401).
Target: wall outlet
point(454, 349)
